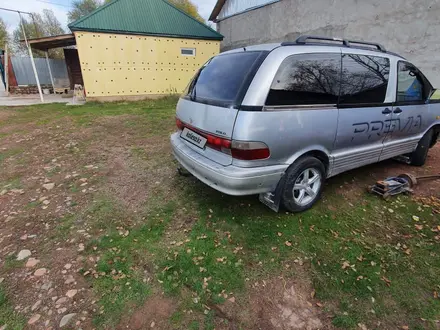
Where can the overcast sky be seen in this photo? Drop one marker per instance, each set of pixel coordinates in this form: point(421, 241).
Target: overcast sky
point(61, 7)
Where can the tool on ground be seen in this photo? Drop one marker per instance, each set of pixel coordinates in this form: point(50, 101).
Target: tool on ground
point(401, 184)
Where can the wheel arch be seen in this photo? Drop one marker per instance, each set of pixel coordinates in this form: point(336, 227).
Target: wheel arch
point(436, 129)
point(317, 152)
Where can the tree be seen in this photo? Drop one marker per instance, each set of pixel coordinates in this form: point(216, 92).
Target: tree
point(188, 7)
point(38, 26)
point(51, 25)
point(4, 36)
point(83, 7)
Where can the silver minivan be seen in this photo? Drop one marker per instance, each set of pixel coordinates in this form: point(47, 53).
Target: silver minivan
point(279, 119)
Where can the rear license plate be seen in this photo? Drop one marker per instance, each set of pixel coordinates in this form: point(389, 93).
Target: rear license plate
point(193, 138)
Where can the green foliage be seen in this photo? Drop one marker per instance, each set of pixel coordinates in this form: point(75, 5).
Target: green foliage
point(82, 8)
point(50, 26)
point(206, 264)
point(11, 262)
point(121, 281)
point(4, 35)
point(38, 26)
point(8, 317)
point(12, 183)
point(10, 153)
point(157, 113)
point(351, 252)
point(188, 7)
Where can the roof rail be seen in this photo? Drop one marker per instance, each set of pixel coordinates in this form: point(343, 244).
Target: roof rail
point(302, 40)
point(375, 44)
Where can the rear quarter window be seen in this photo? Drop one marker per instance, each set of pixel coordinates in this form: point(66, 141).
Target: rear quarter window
point(306, 79)
point(364, 79)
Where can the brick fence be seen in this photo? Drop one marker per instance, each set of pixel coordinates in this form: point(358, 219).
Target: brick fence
point(28, 89)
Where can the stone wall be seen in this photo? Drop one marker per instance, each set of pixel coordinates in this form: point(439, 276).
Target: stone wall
point(28, 89)
point(410, 28)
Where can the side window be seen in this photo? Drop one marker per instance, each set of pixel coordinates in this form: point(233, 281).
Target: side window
point(364, 79)
point(188, 51)
point(306, 79)
point(412, 86)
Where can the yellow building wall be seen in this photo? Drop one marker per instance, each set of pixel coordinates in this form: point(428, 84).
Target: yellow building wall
point(115, 65)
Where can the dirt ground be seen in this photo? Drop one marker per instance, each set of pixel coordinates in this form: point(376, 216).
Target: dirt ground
point(49, 173)
point(357, 180)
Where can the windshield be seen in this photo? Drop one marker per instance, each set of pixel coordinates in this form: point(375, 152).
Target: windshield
point(222, 78)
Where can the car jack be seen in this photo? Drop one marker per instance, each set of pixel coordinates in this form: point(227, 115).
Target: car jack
point(401, 184)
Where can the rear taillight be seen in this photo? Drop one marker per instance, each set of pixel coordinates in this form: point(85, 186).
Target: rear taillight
point(249, 150)
point(218, 143)
point(179, 124)
point(243, 150)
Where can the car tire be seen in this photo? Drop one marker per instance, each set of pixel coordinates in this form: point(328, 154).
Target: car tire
point(299, 195)
point(434, 139)
point(418, 157)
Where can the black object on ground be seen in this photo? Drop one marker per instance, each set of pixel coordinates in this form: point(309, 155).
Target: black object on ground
point(401, 184)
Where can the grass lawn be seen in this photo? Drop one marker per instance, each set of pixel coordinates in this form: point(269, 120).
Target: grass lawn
point(150, 248)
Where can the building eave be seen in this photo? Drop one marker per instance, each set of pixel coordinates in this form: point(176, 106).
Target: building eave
point(147, 34)
point(217, 8)
point(45, 43)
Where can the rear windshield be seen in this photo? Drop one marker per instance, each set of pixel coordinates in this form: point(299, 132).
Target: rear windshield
point(221, 80)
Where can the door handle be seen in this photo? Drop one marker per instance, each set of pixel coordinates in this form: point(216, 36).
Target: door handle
point(386, 111)
point(397, 110)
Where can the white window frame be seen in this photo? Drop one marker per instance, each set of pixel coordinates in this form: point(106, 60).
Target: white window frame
point(190, 49)
point(237, 7)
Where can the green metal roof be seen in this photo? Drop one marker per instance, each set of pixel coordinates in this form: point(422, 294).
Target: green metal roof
point(145, 17)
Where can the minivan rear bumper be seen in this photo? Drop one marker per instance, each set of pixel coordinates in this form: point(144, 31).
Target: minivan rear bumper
point(231, 180)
